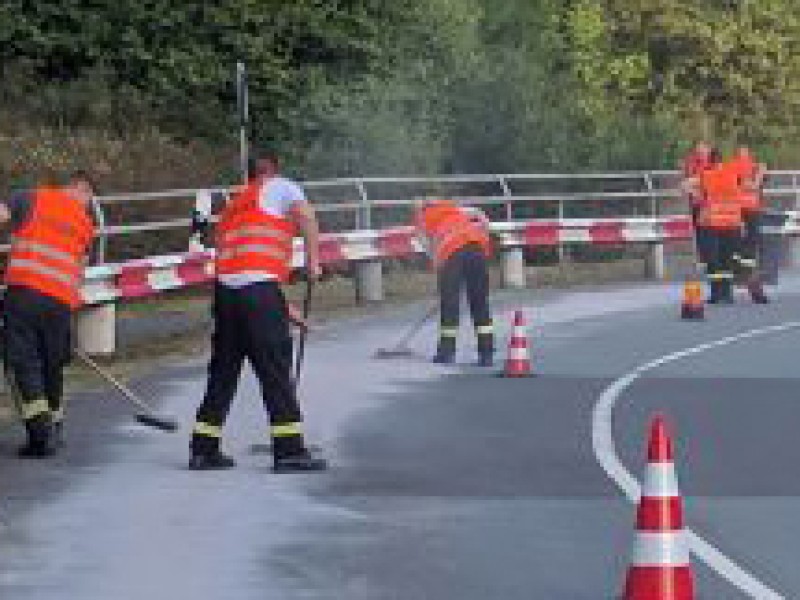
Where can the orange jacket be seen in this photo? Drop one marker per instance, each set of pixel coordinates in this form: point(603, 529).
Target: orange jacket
point(449, 229)
point(721, 207)
point(251, 241)
point(747, 169)
point(48, 251)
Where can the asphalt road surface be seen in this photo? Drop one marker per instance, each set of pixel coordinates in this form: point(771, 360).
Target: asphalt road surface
point(446, 482)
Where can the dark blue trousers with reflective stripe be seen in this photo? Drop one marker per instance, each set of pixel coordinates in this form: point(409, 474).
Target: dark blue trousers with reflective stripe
point(37, 345)
point(466, 269)
point(251, 323)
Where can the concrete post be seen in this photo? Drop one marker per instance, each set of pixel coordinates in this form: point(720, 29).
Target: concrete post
point(96, 329)
point(655, 262)
point(514, 268)
point(369, 281)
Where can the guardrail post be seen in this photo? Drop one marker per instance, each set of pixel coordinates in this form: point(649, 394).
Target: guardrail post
point(655, 261)
point(369, 281)
point(96, 329)
point(514, 268)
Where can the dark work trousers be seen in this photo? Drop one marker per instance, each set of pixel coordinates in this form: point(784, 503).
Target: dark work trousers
point(466, 268)
point(251, 323)
point(723, 245)
point(751, 244)
point(38, 345)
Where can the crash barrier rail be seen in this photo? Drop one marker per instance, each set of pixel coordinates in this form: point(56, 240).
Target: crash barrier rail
point(547, 211)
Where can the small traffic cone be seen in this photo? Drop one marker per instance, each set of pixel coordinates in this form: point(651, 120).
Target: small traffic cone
point(660, 569)
point(693, 305)
point(518, 360)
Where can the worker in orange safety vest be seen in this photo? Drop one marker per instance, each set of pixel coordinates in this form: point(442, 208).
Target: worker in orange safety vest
point(459, 246)
point(720, 213)
point(254, 246)
point(52, 230)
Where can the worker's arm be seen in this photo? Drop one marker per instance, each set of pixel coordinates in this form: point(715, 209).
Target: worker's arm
point(760, 174)
point(306, 219)
point(690, 185)
point(5, 214)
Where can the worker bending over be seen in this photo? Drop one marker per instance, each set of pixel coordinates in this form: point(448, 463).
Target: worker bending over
point(459, 244)
point(51, 233)
point(254, 240)
point(720, 213)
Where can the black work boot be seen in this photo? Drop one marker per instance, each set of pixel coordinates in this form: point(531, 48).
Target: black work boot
point(40, 442)
point(445, 352)
point(485, 350)
point(206, 455)
point(292, 456)
point(716, 292)
point(727, 292)
point(299, 463)
point(757, 294)
point(211, 461)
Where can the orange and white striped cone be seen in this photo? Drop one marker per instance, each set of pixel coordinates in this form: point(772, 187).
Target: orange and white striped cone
point(693, 305)
point(518, 359)
point(660, 568)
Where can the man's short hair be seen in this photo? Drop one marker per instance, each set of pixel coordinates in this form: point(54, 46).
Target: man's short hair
point(715, 156)
point(81, 175)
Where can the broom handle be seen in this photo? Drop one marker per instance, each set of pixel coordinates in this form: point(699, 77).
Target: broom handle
point(417, 326)
point(301, 345)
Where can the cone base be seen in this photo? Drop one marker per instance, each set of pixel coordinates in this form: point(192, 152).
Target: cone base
point(504, 375)
point(659, 583)
point(692, 313)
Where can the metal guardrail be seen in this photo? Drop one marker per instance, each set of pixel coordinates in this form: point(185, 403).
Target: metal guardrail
point(375, 202)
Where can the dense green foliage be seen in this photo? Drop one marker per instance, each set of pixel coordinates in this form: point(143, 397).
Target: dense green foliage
point(408, 86)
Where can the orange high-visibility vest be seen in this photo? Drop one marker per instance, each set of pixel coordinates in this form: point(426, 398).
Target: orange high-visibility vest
point(721, 207)
point(449, 228)
point(746, 168)
point(249, 241)
point(48, 251)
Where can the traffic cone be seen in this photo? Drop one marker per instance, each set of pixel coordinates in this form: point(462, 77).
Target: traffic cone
point(518, 360)
point(660, 569)
point(693, 306)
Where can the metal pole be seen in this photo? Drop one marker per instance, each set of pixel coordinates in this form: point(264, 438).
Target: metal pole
point(364, 216)
point(506, 193)
point(243, 111)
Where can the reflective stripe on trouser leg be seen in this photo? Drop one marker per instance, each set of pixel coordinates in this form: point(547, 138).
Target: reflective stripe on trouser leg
point(287, 439)
point(723, 276)
point(207, 430)
point(34, 408)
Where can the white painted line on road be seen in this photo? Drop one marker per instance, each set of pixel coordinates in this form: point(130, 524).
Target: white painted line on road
point(606, 453)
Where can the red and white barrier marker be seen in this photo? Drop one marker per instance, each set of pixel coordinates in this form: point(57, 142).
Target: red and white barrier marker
point(660, 568)
point(518, 361)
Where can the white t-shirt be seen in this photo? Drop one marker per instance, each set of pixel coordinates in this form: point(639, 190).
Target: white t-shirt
point(277, 197)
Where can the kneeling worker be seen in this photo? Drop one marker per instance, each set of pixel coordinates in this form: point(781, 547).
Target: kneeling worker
point(254, 238)
point(720, 213)
point(52, 232)
point(459, 243)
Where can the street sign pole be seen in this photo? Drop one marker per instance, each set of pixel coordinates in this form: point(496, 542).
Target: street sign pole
point(243, 111)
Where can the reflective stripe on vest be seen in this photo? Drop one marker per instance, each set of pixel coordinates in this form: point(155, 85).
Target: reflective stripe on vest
point(251, 241)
